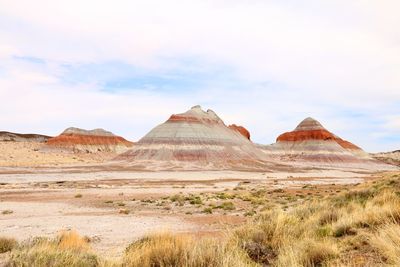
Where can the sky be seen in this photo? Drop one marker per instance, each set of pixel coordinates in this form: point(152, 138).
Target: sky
point(126, 66)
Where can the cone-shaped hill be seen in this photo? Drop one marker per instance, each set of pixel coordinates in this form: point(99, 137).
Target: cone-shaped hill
point(311, 130)
point(195, 138)
point(310, 142)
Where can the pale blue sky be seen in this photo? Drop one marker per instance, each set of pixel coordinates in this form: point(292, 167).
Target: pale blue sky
point(127, 65)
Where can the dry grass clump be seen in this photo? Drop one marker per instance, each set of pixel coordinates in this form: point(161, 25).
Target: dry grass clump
point(7, 244)
point(286, 239)
point(308, 252)
point(6, 212)
point(69, 249)
point(387, 242)
point(318, 233)
point(165, 249)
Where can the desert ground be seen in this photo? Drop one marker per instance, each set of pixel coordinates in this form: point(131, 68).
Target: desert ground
point(43, 193)
point(114, 208)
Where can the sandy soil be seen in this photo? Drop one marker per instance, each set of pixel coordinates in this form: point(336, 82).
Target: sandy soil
point(43, 192)
point(33, 154)
point(110, 230)
point(44, 201)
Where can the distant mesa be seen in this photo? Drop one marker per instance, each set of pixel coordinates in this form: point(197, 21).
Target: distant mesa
point(194, 138)
point(91, 141)
point(17, 137)
point(243, 131)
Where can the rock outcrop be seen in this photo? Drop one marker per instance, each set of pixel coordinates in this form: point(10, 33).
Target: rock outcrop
point(243, 131)
point(90, 141)
point(191, 140)
point(392, 157)
point(17, 137)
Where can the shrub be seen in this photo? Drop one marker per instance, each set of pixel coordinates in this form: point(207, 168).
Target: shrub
point(7, 244)
point(387, 242)
point(69, 249)
point(6, 212)
point(227, 206)
point(165, 249)
point(123, 211)
point(343, 230)
point(329, 216)
point(207, 210)
point(308, 253)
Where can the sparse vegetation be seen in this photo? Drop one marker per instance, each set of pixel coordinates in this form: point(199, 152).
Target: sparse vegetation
point(166, 249)
point(68, 249)
point(5, 212)
point(124, 211)
point(78, 196)
point(208, 210)
point(227, 206)
point(7, 244)
point(358, 227)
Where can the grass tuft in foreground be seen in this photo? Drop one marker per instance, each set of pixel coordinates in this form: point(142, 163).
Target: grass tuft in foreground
point(68, 249)
point(165, 249)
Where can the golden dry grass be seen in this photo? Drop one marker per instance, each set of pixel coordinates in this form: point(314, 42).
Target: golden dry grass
point(68, 249)
point(7, 244)
point(165, 249)
point(387, 241)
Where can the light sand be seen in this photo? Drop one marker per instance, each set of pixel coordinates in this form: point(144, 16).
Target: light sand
point(33, 154)
point(110, 231)
point(40, 187)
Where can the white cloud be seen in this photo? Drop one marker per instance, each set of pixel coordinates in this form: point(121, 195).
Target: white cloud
point(318, 58)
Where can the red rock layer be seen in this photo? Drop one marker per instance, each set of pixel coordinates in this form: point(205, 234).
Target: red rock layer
point(297, 136)
point(195, 139)
point(66, 140)
point(243, 131)
point(346, 144)
point(190, 119)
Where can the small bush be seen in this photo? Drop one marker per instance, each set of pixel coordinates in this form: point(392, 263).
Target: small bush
point(227, 206)
point(387, 242)
point(208, 210)
point(165, 249)
point(330, 216)
point(358, 196)
point(324, 231)
point(6, 212)
point(224, 195)
point(178, 198)
point(157, 250)
point(124, 211)
point(343, 230)
point(7, 244)
point(69, 249)
point(78, 196)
